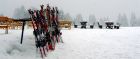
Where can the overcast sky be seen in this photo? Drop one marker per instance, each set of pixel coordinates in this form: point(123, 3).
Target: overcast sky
point(100, 8)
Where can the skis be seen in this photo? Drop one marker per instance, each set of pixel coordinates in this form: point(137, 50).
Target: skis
point(46, 30)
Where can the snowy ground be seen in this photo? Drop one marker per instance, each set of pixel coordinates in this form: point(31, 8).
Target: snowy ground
point(123, 43)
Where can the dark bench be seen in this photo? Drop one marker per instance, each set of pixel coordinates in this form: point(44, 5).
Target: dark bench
point(109, 25)
point(83, 24)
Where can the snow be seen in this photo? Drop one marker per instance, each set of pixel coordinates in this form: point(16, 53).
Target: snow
point(123, 43)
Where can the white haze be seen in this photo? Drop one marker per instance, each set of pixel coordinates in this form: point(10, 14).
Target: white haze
point(100, 8)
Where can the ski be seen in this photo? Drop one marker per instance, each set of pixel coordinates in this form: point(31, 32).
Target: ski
point(46, 28)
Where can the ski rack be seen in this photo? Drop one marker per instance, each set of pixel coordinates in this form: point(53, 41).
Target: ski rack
point(46, 28)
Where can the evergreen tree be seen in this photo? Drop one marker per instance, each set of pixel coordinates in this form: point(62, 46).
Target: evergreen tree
point(122, 19)
point(92, 20)
point(133, 20)
point(21, 13)
point(78, 19)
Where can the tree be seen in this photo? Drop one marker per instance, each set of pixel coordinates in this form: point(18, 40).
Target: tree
point(78, 19)
point(92, 19)
point(61, 14)
point(67, 17)
point(21, 13)
point(138, 22)
point(125, 20)
point(122, 19)
point(1, 15)
point(133, 20)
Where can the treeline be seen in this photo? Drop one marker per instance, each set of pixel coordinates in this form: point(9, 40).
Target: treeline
point(123, 19)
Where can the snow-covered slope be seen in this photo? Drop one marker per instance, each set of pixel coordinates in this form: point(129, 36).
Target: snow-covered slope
point(123, 43)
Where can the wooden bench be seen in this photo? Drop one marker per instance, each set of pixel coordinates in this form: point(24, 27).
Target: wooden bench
point(65, 24)
point(4, 23)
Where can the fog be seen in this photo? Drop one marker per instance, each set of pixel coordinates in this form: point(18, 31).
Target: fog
point(99, 8)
